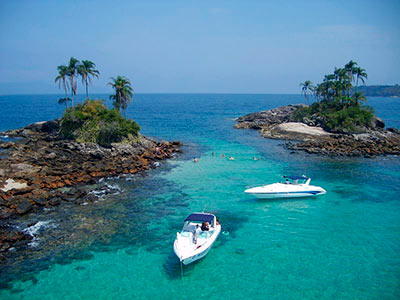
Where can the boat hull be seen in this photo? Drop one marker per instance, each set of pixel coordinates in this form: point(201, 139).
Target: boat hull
point(198, 256)
point(281, 190)
point(198, 253)
point(287, 195)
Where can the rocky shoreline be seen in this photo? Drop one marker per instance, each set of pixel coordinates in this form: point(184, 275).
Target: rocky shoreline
point(308, 136)
point(39, 170)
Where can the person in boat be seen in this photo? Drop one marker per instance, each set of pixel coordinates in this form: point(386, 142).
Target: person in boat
point(218, 222)
point(205, 226)
point(196, 234)
point(287, 181)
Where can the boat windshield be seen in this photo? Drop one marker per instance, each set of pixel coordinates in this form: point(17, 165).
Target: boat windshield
point(294, 179)
point(205, 234)
point(185, 233)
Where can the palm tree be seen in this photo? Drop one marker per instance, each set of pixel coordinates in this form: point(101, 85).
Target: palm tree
point(62, 78)
point(72, 73)
point(123, 92)
point(351, 67)
point(64, 101)
point(358, 97)
point(87, 70)
point(306, 88)
point(360, 74)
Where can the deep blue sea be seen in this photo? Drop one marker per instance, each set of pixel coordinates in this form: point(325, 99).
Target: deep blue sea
point(342, 245)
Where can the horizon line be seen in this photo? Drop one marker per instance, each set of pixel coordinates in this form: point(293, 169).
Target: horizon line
point(152, 93)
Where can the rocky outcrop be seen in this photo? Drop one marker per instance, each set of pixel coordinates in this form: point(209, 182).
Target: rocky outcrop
point(11, 238)
point(294, 131)
point(41, 170)
point(367, 145)
point(279, 123)
point(268, 118)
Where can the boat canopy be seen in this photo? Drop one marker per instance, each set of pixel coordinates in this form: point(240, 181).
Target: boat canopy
point(200, 218)
point(296, 177)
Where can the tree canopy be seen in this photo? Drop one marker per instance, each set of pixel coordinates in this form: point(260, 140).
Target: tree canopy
point(123, 92)
point(339, 107)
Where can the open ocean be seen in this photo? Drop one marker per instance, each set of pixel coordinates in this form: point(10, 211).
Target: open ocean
point(342, 245)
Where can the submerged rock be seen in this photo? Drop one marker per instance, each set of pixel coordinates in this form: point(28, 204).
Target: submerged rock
point(24, 207)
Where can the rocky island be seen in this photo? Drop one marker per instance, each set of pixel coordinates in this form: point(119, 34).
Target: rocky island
point(42, 168)
point(280, 123)
point(336, 124)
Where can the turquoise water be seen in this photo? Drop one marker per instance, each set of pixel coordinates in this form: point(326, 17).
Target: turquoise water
point(342, 245)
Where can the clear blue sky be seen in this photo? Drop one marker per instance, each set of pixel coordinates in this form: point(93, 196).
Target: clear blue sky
point(197, 46)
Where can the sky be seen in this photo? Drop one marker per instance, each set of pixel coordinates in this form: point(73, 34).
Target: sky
point(197, 46)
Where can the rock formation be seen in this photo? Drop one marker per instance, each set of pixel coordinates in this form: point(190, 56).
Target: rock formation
point(279, 123)
point(38, 169)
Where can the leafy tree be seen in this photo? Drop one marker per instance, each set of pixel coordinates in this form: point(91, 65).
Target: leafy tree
point(87, 70)
point(123, 92)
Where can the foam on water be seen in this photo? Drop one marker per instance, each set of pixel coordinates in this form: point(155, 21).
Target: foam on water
point(34, 230)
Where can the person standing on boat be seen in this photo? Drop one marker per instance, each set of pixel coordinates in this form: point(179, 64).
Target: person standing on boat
point(196, 234)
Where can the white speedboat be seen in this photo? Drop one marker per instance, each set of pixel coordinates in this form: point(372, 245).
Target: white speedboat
point(293, 186)
point(194, 241)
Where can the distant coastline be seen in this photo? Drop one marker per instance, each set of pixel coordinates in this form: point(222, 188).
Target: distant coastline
point(380, 90)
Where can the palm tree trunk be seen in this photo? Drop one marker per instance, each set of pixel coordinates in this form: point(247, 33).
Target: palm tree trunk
point(72, 91)
point(119, 100)
point(87, 94)
point(65, 91)
point(357, 84)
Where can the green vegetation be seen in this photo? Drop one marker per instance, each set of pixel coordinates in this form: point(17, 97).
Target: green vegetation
point(339, 107)
point(93, 122)
point(123, 92)
point(380, 90)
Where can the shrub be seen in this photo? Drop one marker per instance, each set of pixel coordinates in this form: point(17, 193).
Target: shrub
point(349, 120)
point(337, 118)
point(93, 122)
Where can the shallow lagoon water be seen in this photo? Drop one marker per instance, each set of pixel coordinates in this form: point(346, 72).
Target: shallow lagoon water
point(344, 244)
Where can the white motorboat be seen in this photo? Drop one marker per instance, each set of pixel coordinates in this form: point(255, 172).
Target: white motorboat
point(195, 241)
point(293, 186)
